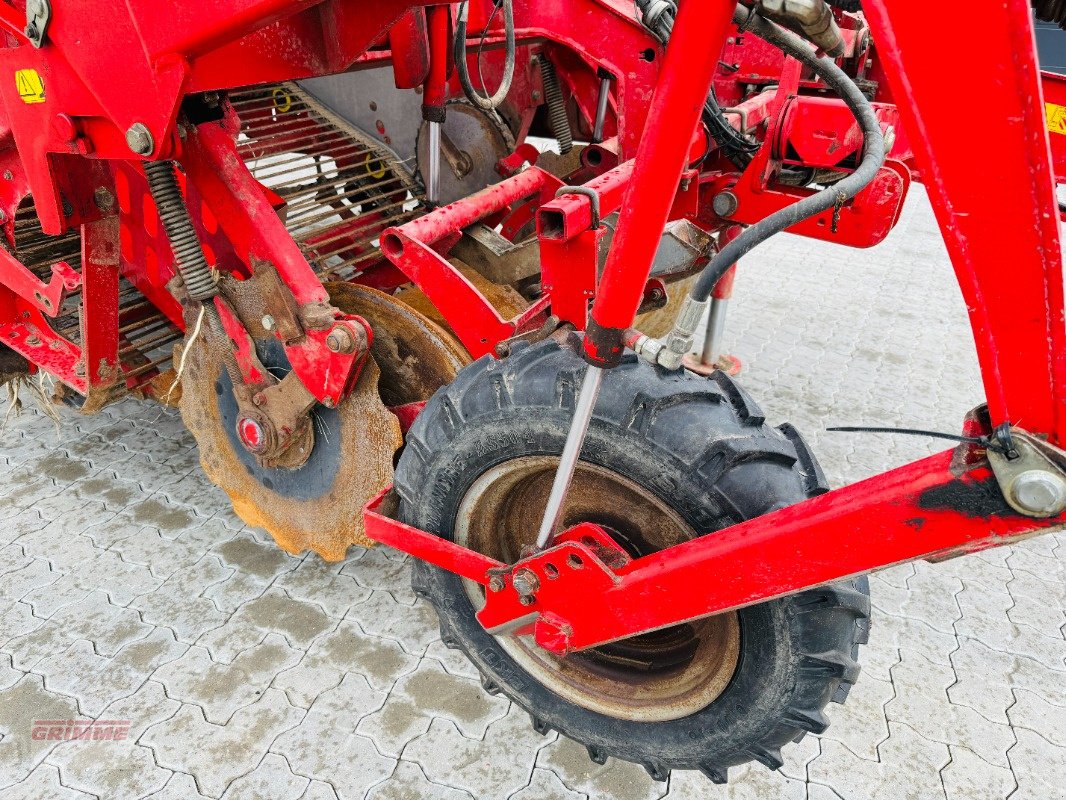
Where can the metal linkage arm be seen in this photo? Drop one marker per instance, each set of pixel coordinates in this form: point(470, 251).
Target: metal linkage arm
point(938, 507)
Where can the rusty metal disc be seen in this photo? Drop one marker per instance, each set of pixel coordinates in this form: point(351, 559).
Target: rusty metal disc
point(318, 506)
point(416, 356)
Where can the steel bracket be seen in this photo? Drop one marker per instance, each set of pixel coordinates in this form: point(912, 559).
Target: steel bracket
point(1032, 477)
point(38, 15)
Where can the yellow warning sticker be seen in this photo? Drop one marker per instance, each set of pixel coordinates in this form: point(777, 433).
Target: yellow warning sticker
point(31, 87)
point(1056, 118)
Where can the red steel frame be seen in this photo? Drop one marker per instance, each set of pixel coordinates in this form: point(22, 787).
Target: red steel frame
point(940, 506)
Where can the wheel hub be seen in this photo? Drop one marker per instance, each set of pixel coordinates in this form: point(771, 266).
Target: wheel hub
point(662, 675)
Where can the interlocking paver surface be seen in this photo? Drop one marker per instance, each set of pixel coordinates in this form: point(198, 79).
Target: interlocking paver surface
point(129, 590)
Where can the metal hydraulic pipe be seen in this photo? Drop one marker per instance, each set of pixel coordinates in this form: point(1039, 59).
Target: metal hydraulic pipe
point(433, 176)
point(691, 59)
point(723, 292)
point(434, 94)
point(712, 342)
point(601, 107)
point(575, 438)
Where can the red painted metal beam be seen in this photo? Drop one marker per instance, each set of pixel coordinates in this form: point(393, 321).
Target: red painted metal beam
point(688, 69)
point(997, 210)
point(938, 507)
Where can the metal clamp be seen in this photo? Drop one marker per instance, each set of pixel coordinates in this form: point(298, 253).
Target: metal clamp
point(591, 194)
point(38, 15)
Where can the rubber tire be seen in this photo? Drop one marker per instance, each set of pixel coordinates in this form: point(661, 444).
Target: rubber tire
point(701, 444)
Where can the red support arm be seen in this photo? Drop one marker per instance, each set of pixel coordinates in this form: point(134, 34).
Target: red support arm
point(999, 215)
point(688, 69)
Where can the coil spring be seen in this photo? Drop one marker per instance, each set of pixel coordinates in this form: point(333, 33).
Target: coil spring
point(553, 95)
point(174, 214)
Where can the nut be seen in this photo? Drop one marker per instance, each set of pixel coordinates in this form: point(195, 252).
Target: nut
point(139, 139)
point(525, 582)
point(496, 584)
point(340, 340)
point(105, 201)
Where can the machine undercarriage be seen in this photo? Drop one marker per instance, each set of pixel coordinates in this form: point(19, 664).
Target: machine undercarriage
point(454, 279)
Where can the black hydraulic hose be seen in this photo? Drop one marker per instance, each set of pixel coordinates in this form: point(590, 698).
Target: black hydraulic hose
point(872, 161)
point(485, 102)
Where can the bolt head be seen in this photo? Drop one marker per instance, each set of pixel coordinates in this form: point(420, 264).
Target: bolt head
point(105, 201)
point(1039, 492)
point(340, 340)
point(525, 582)
point(139, 139)
point(496, 584)
point(725, 204)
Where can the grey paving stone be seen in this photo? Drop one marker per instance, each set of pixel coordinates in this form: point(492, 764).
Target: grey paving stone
point(1038, 767)
point(218, 754)
point(272, 778)
point(408, 782)
point(921, 701)
point(96, 681)
point(222, 689)
point(326, 739)
point(1033, 712)
point(313, 580)
point(413, 628)
point(109, 769)
point(179, 787)
point(860, 724)
point(616, 779)
point(296, 621)
point(449, 758)
point(345, 649)
point(908, 769)
point(21, 706)
point(970, 777)
point(546, 785)
point(43, 783)
point(16, 619)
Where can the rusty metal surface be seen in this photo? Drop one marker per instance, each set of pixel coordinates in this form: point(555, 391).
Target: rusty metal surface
point(367, 437)
point(666, 674)
point(417, 358)
point(415, 355)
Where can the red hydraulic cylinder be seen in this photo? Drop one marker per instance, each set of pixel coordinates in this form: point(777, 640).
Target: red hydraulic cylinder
point(691, 59)
point(433, 91)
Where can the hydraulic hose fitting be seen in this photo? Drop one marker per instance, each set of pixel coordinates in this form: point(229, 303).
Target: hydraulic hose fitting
point(553, 96)
point(813, 18)
point(189, 256)
point(669, 352)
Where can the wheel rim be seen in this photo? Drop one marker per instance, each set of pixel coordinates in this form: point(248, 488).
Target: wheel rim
point(658, 676)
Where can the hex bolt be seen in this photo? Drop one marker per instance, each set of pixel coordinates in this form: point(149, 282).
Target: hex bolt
point(103, 198)
point(340, 340)
point(139, 139)
point(1039, 492)
point(497, 584)
point(525, 583)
